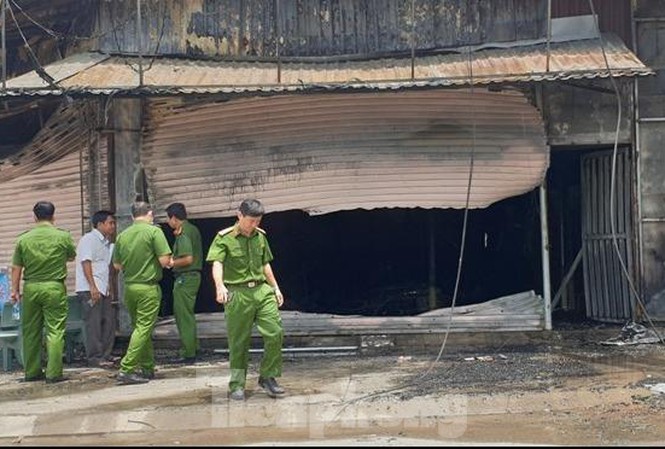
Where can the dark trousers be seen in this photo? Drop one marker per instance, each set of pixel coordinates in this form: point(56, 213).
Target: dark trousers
point(99, 327)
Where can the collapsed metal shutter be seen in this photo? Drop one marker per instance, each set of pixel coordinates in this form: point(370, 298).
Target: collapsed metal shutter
point(327, 152)
point(49, 168)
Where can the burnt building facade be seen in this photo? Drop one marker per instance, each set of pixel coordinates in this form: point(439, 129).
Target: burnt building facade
point(412, 155)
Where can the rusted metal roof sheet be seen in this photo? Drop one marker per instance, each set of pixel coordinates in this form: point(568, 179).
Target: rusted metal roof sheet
point(567, 60)
point(323, 153)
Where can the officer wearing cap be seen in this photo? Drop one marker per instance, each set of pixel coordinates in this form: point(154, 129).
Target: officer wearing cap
point(247, 287)
point(40, 257)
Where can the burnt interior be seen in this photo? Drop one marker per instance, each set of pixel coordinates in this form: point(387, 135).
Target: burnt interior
point(377, 262)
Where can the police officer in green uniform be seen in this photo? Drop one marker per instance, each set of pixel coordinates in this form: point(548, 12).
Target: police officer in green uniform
point(186, 262)
point(41, 257)
point(247, 287)
point(141, 251)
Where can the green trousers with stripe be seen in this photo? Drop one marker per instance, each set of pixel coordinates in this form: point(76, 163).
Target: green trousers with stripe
point(142, 302)
point(248, 306)
point(185, 287)
point(43, 304)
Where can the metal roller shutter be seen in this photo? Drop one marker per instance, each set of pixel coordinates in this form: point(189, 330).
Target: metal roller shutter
point(328, 152)
point(49, 168)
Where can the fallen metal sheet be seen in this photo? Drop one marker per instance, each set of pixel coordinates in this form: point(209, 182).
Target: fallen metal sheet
point(308, 349)
point(503, 314)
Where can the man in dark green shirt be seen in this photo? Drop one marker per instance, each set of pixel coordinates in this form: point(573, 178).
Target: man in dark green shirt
point(141, 251)
point(186, 264)
point(247, 287)
point(41, 257)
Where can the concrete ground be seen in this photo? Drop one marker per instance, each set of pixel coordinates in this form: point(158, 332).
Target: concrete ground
point(558, 387)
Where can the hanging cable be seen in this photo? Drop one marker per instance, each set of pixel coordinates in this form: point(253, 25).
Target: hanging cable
point(157, 47)
point(33, 58)
point(413, 39)
point(139, 39)
point(460, 262)
point(615, 150)
point(3, 50)
point(61, 35)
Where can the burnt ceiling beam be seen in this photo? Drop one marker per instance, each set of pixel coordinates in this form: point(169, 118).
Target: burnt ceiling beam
point(590, 85)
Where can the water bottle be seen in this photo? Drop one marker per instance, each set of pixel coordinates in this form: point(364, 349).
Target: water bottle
point(16, 312)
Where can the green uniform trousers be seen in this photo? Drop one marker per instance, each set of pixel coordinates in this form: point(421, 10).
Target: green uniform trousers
point(246, 307)
point(142, 302)
point(185, 287)
point(44, 303)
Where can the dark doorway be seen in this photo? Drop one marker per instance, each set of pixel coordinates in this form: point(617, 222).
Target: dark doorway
point(565, 232)
point(377, 262)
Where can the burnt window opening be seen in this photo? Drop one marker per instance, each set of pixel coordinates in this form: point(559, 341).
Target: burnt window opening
point(19, 128)
point(378, 262)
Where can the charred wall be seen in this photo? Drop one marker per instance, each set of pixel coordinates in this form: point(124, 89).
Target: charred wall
point(650, 32)
point(256, 28)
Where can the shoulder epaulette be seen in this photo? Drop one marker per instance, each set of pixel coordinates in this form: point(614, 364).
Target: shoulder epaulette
point(261, 231)
point(226, 231)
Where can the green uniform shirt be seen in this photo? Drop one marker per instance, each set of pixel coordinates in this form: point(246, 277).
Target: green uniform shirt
point(243, 257)
point(188, 243)
point(137, 249)
point(43, 253)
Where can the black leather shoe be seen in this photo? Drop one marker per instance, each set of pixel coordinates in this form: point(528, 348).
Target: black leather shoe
point(55, 380)
point(130, 378)
point(34, 379)
point(271, 387)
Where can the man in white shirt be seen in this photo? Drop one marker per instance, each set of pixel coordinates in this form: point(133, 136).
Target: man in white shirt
point(93, 269)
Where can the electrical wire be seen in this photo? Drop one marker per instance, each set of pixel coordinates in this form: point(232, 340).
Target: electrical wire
point(159, 40)
point(65, 36)
point(422, 377)
point(33, 58)
point(615, 150)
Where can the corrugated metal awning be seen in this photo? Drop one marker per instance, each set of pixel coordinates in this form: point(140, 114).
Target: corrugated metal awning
point(92, 73)
point(323, 153)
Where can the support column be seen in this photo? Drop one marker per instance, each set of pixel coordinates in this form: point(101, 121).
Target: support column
point(547, 295)
point(128, 177)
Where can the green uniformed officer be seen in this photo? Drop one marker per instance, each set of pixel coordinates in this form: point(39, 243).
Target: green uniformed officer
point(186, 262)
point(141, 251)
point(246, 285)
point(41, 257)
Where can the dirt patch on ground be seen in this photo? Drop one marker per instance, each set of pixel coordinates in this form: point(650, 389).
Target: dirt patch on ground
point(562, 387)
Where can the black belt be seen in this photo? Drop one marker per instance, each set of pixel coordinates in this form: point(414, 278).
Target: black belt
point(248, 284)
point(182, 273)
